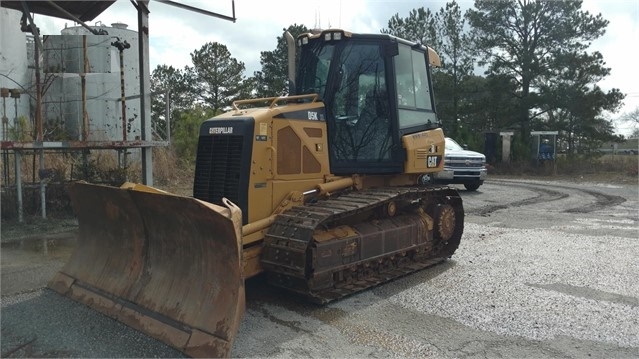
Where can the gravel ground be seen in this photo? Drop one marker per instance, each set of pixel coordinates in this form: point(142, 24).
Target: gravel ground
point(524, 283)
point(534, 299)
point(544, 270)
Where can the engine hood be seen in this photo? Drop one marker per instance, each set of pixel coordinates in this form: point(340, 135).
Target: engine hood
point(463, 153)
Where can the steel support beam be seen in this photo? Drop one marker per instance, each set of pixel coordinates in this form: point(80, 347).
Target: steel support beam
point(201, 11)
point(145, 85)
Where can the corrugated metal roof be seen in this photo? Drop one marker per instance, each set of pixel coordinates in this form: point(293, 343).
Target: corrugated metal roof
point(83, 10)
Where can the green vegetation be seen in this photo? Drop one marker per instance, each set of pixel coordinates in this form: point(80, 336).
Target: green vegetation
point(187, 131)
point(539, 73)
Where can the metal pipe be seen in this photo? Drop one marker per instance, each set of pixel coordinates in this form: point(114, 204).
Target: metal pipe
point(145, 100)
point(337, 185)
point(34, 29)
point(38, 114)
point(43, 194)
point(19, 186)
point(4, 93)
point(5, 120)
point(121, 46)
point(290, 42)
point(167, 115)
point(313, 191)
point(5, 167)
point(233, 8)
point(258, 225)
point(85, 114)
point(201, 11)
point(16, 123)
point(122, 90)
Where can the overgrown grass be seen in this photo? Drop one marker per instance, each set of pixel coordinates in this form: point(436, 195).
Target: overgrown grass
point(172, 173)
point(169, 173)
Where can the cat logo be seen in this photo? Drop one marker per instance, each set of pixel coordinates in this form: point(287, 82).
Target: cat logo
point(433, 161)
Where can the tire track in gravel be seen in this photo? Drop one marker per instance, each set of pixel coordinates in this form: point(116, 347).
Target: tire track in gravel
point(602, 201)
point(544, 194)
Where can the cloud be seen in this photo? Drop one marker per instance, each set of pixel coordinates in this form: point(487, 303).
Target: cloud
point(621, 34)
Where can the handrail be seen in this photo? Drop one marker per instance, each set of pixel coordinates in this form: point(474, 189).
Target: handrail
point(314, 97)
point(274, 100)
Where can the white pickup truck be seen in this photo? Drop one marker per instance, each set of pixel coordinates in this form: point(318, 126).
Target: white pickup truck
point(462, 167)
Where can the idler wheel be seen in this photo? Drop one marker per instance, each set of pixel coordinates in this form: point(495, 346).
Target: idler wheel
point(391, 208)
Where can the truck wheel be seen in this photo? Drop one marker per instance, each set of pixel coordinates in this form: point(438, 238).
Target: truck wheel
point(472, 186)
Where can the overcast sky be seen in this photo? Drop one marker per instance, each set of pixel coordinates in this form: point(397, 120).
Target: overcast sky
point(175, 33)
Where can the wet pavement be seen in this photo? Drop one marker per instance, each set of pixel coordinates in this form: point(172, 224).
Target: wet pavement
point(29, 263)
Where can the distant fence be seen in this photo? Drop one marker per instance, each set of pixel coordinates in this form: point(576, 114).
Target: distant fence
point(57, 200)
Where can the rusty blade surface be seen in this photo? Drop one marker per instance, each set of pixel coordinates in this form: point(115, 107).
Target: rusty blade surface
point(166, 265)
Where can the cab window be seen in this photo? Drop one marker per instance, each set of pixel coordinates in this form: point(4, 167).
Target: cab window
point(413, 90)
point(361, 105)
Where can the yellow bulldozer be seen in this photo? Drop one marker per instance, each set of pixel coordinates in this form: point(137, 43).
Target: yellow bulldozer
point(327, 191)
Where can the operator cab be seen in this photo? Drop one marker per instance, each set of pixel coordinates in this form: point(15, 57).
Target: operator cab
point(376, 89)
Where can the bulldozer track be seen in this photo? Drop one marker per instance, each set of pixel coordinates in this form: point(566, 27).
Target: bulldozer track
point(287, 257)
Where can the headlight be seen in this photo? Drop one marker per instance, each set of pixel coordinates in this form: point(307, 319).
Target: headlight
point(332, 35)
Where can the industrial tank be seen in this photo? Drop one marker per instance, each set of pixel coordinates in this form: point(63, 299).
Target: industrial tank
point(75, 52)
point(15, 71)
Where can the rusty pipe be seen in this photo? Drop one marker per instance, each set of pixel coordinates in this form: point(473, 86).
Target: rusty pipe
point(123, 95)
point(121, 46)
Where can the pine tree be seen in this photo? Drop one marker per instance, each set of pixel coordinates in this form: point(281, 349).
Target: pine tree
point(272, 80)
point(523, 41)
point(220, 77)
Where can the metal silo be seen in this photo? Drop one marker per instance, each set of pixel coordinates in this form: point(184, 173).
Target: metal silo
point(17, 71)
point(78, 53)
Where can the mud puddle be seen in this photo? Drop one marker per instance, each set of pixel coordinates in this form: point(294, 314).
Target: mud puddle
point(58, 245)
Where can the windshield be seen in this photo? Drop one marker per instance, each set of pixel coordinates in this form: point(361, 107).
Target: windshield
point(315, 62)
point(451, 145)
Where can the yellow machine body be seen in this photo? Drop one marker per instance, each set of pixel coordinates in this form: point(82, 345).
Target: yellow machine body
point(274, 187)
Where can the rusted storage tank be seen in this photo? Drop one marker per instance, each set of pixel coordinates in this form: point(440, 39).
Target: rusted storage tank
point(17, 70)
point(78, 53)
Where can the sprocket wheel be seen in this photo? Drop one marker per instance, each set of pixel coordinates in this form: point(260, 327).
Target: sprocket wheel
point(446, 221)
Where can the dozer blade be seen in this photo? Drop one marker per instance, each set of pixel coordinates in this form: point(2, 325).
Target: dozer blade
point(166, 265)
